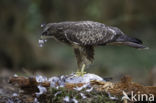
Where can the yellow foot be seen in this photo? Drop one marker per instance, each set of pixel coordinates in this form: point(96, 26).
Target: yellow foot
point(81, 72)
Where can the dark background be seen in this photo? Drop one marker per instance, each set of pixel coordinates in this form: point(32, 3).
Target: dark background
point(20, 30)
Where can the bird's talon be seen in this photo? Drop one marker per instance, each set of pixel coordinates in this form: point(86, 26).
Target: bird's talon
point(80, 73)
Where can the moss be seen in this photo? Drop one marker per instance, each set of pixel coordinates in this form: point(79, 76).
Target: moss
point(92, 97)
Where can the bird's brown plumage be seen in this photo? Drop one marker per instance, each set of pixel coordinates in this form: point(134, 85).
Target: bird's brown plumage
point(83, 36)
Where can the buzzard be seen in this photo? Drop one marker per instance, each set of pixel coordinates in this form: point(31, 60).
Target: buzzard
point(83, 36)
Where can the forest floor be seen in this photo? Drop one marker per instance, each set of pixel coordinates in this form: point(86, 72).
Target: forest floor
point(63, 89)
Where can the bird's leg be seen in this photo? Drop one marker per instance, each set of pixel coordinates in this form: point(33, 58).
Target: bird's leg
point(81, 72)
point(83, 68)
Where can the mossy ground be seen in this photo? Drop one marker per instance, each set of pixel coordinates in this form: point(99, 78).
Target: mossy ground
point(91, 97)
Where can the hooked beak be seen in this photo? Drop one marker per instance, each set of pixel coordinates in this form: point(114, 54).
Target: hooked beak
point(45, 35)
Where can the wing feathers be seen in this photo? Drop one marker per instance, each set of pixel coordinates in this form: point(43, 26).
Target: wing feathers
point(89, 34)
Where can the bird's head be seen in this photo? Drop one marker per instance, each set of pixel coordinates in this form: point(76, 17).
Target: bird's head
point(48, 31)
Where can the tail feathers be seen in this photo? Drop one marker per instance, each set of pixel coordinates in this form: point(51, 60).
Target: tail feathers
point(130, 41)
point(134, 40)
point(135, 45)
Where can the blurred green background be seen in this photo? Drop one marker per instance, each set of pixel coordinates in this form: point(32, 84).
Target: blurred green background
point(20, 30)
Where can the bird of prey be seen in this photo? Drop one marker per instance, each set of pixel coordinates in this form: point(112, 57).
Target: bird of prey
point(83, 36)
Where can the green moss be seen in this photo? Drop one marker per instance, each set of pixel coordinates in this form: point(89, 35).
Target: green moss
point(92, 97)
